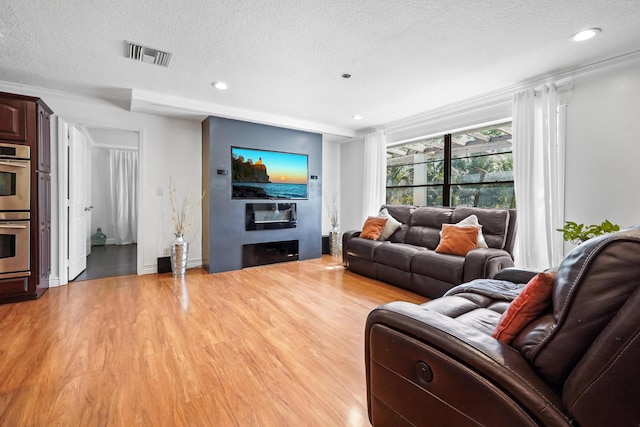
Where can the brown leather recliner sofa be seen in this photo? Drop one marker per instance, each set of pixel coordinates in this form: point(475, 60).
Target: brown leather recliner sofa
point(577, 364)
point(407, 259)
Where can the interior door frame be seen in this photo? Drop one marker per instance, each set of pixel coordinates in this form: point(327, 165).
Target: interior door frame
point(63, 123)
point(78, 195)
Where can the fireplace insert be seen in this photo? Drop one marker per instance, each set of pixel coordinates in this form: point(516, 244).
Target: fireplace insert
point(270, 216)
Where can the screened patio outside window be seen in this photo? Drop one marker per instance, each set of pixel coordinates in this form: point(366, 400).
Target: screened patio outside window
point(470, 168)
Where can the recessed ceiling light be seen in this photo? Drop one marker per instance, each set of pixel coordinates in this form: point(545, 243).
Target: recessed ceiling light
point(357, 117)
point(220, 85)
point(585, 34)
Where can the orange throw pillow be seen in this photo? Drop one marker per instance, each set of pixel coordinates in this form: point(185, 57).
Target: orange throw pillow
point(534, 299)
point(373, 227)
point(456, 240)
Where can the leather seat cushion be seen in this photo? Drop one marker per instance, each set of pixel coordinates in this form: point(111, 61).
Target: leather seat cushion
point(364, 248)
point(477, 311)
point(448, 268)
point(397, 255)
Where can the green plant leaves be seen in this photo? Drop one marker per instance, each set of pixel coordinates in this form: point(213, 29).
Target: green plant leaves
point(578, 233)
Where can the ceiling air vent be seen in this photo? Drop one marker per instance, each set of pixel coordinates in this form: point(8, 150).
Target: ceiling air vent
point(149, 55)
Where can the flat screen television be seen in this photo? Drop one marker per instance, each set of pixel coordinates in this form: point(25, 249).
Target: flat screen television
point(264, 174)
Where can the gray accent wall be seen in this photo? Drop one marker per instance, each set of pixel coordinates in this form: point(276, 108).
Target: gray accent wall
point(223, 223)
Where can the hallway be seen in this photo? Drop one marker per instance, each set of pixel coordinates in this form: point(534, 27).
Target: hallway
point(109, 261)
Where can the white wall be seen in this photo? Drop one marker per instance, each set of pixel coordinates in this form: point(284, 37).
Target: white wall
point(351, 174)
point(603, 148)
point(330, 178)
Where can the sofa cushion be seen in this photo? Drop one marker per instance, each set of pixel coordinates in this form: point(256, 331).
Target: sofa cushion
point(425, 226)
point(363, 248)
point(373, 227)
point(534, 299)
point(400, 212)
point(481, 312)
point(397, 255)
point(494, 223)
point(399, 235)
point(403, 214)
point(472, 220)
point(457, 240)
point(448, 268)
point(390, 226)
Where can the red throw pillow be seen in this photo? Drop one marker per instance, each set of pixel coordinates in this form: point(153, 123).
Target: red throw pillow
point(534, 299)
point(456, 240)
point(373, 227)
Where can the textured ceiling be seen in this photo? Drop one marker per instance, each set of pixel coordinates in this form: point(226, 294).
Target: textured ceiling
point(285, 57)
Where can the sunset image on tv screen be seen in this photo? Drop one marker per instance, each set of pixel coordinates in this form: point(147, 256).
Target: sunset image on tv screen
point(263, 174)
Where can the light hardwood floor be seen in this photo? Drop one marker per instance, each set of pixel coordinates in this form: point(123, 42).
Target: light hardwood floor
point(278, 345)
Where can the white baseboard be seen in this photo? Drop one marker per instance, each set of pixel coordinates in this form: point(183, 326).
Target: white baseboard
point(153, 268)
point(54, 282)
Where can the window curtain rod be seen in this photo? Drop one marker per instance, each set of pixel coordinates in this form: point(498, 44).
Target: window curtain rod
point(563, 86)
point(116, 147)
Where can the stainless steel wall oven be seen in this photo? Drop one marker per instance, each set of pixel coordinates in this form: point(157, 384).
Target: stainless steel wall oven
point(15, 196)
point(15, 177)
point(14, 244)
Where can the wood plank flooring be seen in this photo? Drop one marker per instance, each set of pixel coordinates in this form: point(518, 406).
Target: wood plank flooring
point(277, 345)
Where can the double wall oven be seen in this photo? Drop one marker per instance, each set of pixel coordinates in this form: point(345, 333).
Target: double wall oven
point(15, 196)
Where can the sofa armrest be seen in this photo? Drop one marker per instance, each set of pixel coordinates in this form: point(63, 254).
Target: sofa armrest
point(484, 263)
point(345, 238)
point(515, 274)
point(462, 348)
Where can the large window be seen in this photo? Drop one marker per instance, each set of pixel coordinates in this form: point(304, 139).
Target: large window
point(471, 168)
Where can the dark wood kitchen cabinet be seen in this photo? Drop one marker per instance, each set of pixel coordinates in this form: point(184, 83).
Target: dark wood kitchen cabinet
point(13, 119)
point(41, 268)
point(25, 120)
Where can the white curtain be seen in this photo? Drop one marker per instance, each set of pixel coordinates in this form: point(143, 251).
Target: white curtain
point(375, 173)
point(123, 167)
point(538, 166)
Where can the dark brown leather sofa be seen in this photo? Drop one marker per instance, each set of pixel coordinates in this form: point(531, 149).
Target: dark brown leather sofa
point(408, 259)
point(578, 364)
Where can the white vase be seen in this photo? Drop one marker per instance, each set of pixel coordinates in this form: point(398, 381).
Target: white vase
point(179, 255)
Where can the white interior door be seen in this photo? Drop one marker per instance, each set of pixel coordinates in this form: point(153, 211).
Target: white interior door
point(87, 195)
point(79, 206)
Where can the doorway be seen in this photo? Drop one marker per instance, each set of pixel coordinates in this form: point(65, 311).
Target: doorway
point(100, 241)
point(109, 261)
